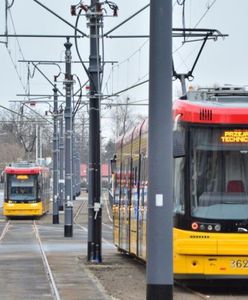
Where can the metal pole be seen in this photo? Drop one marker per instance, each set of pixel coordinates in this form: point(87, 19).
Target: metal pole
point(78, 168)
point(94, 208)
point(68, 226)
point(55, 158)
point(159, 218)
point(61, 163)
point(73, 162)
point(75, 165)
point(36, 144)
point(41, 154)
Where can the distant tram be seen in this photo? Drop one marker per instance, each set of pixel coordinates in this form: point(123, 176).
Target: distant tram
point(26, 190)
point(210, 186)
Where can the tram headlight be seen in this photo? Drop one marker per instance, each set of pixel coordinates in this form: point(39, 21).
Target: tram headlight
point(194, 226)
point(210, 227)
point(217, 227)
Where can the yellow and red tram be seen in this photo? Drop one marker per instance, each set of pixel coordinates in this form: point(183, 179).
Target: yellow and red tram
point(210, 185)
point(26, 190)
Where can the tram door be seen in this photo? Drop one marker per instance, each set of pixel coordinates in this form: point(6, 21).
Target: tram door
point(134, 205)
point(142, 208)
point(124, 205)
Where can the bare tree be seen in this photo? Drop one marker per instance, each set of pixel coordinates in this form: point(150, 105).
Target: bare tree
point(18, 129)
point(124, 117)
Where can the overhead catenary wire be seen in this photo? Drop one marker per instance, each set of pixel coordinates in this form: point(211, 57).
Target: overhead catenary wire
point(197, 23)
point(127, 89)
point(24, 86)
point(126, 60)
point(77, 50)
point(62, 19)
point(37, 113)
point(14, 112)
point(11, 4)
point(36, 67)
point(77, 105)
point(204, 14)
point(125, 21)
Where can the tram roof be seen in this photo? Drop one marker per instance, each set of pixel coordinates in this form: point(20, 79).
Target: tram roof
point(23, 168)
point(228, 105)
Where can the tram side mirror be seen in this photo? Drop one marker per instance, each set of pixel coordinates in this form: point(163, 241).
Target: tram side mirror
point(113, 164)
point(178, 144)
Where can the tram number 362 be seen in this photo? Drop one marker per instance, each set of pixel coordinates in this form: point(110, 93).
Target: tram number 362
point(239, 264)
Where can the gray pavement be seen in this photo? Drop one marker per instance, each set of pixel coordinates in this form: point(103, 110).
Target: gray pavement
point(72, 277)
point(22, 274)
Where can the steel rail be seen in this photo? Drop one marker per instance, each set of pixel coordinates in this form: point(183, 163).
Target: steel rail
point(46, 265)
point(79, 210)
point(6, 227)
point(86, 230)
point(83, 227)
point(185, 287)
point(106, 203)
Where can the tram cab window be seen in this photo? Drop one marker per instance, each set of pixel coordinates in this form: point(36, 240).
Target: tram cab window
point(179, 164)
point(21, 189)
point(219, 175)
point(179, 169)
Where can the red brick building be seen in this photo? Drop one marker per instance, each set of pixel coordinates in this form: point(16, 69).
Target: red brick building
point(105, 173)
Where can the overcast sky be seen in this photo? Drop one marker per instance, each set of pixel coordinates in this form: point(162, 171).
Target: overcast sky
point(223, 61)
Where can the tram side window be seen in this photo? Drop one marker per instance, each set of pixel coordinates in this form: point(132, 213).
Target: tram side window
point(117, 186)
point(179, 164)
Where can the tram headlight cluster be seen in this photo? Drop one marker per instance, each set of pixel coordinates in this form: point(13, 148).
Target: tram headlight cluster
point(211, 227)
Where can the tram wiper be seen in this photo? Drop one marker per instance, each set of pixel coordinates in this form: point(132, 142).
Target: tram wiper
point(241, 229)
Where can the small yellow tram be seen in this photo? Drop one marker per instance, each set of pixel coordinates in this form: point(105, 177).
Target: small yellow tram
point(26, 190)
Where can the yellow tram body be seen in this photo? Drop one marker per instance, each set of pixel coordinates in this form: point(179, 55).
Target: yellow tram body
point(210, 255)
point(210, 234)
point(24, 209)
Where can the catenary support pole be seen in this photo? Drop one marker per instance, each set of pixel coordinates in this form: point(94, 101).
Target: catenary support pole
point(55, 158)
point(73, 162)
point(94, 208)
point(61, 162)
point(159, 218)
point(68, 226)
point(78, 167)
point(40, 145)
point(36, 144)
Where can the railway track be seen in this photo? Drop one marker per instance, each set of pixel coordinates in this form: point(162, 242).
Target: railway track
point(5, 229)
point(25, 234)
point(82, 207)
point(49, 273)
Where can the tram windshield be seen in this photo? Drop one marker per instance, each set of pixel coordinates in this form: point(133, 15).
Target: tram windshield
point(219, 173)
point(21, 187)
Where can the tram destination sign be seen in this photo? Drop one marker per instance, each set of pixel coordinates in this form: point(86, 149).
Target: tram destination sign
point(235, 136)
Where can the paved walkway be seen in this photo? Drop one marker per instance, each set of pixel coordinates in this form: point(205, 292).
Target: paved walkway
point(22, 274)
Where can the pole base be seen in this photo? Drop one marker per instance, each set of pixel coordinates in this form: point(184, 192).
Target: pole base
point(55, 219)
point(68, 231)
point(94, 254)
point(159, 292)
